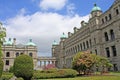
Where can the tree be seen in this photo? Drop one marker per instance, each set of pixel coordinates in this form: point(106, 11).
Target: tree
point(1, 67)
point(84, 62)
point(2, 35)
point(103, 63)
point(23, 67)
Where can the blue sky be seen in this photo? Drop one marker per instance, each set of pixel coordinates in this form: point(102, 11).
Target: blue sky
point(45, 20)
point(82, 7)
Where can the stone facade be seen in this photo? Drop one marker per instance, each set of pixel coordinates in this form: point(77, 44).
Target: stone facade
point(11, 50)
point(100, 35)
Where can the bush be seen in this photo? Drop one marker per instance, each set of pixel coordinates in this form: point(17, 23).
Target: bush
point(6, 76)
point(54, 73)
point(1, 67)
point(11, 69)
point(23, 67)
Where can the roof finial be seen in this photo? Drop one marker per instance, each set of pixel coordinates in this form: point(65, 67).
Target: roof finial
point(30, 40)
point(9, 39)
point(95, 4)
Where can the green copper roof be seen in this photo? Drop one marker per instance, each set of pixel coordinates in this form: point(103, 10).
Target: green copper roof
point(96, 8)
point(9, 42)
point(63, 36)
point(30, 43)
point(55, 43)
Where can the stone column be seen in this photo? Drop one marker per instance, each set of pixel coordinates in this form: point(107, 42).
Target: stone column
point(44, 63)
point(48, 62)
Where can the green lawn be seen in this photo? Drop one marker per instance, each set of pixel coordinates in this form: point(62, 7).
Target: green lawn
point(90, 78)
point(114, 76)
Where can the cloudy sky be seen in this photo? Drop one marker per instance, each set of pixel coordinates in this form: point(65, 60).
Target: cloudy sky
point(45, 20)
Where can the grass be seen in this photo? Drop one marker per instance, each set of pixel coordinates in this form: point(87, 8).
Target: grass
point(90, 78)
point(111, 76)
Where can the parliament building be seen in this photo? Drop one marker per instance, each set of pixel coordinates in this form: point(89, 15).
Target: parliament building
point(100, 35)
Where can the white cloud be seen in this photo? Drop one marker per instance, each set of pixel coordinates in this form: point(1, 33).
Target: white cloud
point(70, 9)
point(43, 28)
point(52, 4)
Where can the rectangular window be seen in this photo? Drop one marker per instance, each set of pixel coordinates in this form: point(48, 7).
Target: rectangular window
point(8, 54)
point(107, 52)
point(114, 50)
point(7, 62)
point(115, 67)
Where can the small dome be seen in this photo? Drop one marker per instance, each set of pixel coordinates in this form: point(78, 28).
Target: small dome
point(96, 8)
point(9, 42)
point(30, 43)
point(63, 36)
point(55, 43)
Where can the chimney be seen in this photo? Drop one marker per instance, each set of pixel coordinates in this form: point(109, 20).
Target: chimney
point(75, 29)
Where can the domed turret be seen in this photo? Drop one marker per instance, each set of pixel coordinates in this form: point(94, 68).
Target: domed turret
point(30, 43)
point(55, 43)
point(96, 11)
point(96, 8)
point(63, 36)
point(9, 42)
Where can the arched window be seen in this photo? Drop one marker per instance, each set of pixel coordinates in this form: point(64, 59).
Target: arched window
point(110, 17)
point(90, 42)
point(75, 49)
point(78, 48)
point(117, 11)
point(17, 54)
point(106, 18)
point(106, 36)
point(107, 52)
point(112, 35)
point(87, 44)
point(84, 45)
point(102, 21)
point(30, 54)
point(7, 54)
point(81, 46)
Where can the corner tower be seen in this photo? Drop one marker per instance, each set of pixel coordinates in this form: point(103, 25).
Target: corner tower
point(96, 11)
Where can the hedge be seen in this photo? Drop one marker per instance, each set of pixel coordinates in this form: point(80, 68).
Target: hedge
point(61, 73)
point(6, 76)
